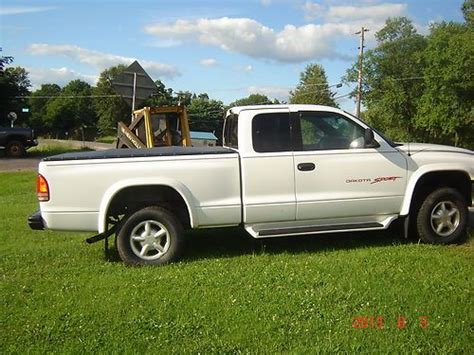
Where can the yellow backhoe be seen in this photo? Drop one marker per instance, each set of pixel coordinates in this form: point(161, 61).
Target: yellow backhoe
point(155, 127)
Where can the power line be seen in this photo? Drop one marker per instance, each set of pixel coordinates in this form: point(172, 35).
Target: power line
point(342, 96)
point(64, 96)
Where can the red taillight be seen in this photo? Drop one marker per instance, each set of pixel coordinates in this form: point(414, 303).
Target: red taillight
point(42, 188)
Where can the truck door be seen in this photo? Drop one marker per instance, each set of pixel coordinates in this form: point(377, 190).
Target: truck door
point(337, 177)
point(268, 180)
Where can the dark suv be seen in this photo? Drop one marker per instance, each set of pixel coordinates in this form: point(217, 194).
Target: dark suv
point(17, 140)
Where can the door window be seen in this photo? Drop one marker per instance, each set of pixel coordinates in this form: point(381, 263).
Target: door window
point(328, 130)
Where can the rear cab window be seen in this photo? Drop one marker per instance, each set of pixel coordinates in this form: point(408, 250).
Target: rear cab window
point(231, 139)
point(271, 132)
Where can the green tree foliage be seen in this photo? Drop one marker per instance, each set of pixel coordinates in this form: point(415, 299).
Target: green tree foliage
point(4, 61)
point(14, 82)
point(72, 110)
point(421, 87)
point(445, 109)
point(162, 97)
point(205, 114)
point(392, 73)
point(38, 104)
point(110, 110)
point(313, 88)
point(253, 99)
point(468, 12)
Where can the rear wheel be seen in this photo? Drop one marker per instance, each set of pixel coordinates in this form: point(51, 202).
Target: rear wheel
point(150, 236)
point(15, 149)
point(443, 216)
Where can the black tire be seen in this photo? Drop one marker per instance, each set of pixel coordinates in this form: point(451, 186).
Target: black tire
point(159, 250)
point(15, 149)
point(442, 217)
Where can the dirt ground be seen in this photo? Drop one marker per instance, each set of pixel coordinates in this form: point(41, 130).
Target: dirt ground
point(31, 162)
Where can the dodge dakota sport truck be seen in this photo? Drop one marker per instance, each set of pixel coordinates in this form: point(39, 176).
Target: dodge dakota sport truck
point(283, 170)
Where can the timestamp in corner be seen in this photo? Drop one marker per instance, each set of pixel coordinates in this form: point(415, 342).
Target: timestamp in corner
point(380, 322)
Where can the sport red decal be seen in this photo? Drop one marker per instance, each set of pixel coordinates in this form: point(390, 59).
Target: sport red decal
point(374, 180)
point(385, 178)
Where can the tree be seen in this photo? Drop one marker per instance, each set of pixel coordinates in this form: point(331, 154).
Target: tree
point(205, 114)
point(162, 97)
point(14, 83)
point(38, 106)
point(392, 79)
point(4, 60)
point(468, 12)
point(72, 110)
point(253, 99)
point(313, 88)
point(110, 110)
point(446, 109)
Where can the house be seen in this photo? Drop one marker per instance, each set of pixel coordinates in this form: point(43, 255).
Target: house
point(203, 139)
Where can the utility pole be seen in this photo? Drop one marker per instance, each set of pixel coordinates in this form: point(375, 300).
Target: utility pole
point(359, 79)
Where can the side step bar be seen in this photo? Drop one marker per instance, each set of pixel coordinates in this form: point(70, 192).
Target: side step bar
point(314, 229)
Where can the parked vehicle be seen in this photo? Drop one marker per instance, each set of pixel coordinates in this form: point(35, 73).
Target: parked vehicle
point(17, 140)
point(283, 170)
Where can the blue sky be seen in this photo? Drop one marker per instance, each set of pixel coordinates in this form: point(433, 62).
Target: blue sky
point(225, 48)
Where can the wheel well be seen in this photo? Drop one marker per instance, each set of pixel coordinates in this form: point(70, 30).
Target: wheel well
point(429, 182)
point(131, 199)
point(20, 139)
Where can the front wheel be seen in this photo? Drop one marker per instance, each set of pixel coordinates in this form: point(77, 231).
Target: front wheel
point(150, 236)
point(15, 149)
point(442, 218)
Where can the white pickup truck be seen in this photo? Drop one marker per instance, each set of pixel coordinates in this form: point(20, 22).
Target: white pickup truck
point(283, 170)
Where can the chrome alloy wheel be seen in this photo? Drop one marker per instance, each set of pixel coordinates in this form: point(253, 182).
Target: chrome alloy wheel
point(149, 240)
point(445, 218)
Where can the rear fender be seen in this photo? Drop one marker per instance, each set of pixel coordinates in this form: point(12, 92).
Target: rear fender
point(117, 187)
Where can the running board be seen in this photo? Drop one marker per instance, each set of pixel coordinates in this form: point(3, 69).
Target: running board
point(317, 229)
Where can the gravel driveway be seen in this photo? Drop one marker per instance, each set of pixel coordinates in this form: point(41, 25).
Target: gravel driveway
point(31, 163)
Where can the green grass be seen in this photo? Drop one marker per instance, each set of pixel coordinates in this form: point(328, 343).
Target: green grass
point(54, 148)
point(107, 139)
point(229, 294)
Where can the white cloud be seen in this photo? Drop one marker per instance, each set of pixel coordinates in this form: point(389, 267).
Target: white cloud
point(17, 10)
point(100, 60)
point(339, 14)
point(244, 68)
point(60, 76)
point(249, 37)
point(277, 92)
point(266, 2)
point(292, 43)
point(374, 13)
point(209, 62)
point(312, 10)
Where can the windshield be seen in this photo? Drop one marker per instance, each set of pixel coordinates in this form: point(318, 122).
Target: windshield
point(389, 141)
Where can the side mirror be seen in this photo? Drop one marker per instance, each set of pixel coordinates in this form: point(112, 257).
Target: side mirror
point(369, 140)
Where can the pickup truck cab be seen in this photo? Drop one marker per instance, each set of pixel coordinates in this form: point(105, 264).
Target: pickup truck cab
point(283, 170)
point(17, 140)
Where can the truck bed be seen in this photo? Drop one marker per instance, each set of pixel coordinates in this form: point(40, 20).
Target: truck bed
point(131, 153)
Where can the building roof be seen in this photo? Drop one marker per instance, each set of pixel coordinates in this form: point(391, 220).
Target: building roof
point(203, 135)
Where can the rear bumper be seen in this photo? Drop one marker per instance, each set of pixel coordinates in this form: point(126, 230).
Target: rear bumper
point(31, 143)
point(35, 221)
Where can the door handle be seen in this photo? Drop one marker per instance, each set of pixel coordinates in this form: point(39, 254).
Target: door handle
point(306, 166)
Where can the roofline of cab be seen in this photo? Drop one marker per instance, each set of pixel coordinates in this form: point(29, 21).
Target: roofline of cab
point(290, 107)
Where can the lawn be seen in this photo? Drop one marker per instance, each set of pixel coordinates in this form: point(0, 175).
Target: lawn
point(230, 294)
point(47, 148)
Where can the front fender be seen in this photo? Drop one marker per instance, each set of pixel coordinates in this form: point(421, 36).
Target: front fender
point(120, 185)
point(418, 174)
